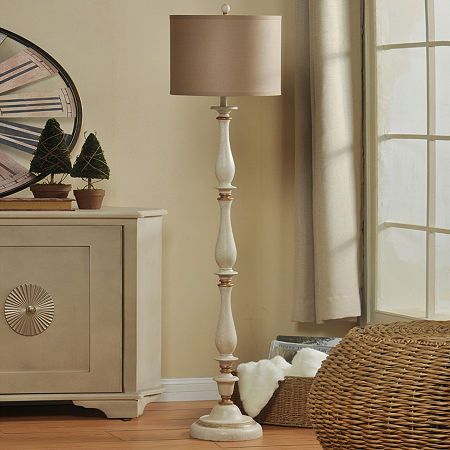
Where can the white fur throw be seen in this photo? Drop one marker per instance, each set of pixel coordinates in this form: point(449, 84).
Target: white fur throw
point(306, 363)
point(258, 381)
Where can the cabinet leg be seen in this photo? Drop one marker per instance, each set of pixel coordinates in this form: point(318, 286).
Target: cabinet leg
point(117, 409)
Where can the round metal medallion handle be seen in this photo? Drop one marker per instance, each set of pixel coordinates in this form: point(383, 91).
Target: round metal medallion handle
point(29, 309)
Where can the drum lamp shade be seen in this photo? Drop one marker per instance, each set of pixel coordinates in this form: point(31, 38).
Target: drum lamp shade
point(225, 55)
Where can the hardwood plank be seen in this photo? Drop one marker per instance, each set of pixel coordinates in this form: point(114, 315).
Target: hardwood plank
point(164, 426)
point(288, 431)
point(148, 417)
point(166, 406)
point(92, 425)
point(193, 414)
point(151, 435)
point(269, 439)
point(185, 444)
point(59, 436)
point(270, 444)
point(298, 446)
point(273, 436)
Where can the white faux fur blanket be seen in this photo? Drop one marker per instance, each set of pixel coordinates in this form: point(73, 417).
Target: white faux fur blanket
point(259, 380)
point(306, 363)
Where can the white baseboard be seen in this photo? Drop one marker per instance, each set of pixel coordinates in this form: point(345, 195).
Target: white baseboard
point(188, 389)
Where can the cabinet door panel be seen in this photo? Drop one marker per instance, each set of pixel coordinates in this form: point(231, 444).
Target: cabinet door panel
point(81, 268)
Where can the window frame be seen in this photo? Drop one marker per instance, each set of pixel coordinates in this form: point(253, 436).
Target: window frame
point(372, 315)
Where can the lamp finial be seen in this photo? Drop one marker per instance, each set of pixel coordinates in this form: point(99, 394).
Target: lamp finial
point(225, 9)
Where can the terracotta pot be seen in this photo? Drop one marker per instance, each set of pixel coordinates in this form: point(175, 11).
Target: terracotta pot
point(50, 190)
point(89, 198)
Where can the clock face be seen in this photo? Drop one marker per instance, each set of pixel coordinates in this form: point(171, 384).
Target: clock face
point(33, 88)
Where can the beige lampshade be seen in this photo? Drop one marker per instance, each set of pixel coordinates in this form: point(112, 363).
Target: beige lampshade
point(225, 55)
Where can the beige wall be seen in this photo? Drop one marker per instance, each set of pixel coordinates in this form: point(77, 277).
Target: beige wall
point(161, 151)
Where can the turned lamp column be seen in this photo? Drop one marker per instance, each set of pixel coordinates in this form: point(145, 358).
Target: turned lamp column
point(226, 338)
point(225, 55)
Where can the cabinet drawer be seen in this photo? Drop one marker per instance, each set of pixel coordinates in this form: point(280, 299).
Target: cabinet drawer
point(80, 267)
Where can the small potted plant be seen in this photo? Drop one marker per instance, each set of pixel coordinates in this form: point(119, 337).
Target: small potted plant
point(51, 157)
point(90, 165)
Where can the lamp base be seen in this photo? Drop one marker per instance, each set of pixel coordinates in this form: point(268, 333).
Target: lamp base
point(226, 423)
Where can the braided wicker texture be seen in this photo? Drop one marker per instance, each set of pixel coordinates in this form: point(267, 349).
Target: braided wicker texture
point(287, 407)
point(385, 387)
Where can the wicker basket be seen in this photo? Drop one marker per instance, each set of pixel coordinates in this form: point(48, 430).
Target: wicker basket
point(385, 387)
point(287, 406)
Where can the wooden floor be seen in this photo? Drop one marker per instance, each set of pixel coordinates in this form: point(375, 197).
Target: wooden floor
point(164, 426)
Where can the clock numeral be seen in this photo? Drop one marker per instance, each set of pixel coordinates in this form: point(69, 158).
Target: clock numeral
point(23, 68)
point(22, 137)
point(12, 174)
point(19, 136)
point(10, 170)
point(15, 181)
point(58, 104)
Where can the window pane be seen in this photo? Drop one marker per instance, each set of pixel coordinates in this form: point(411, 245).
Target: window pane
point(402, 90)
point(443, 88)
point(442, 274)
point(402, 181)
point(402, 274)
point(442, 19)
point(443, 184)
point(400, 21)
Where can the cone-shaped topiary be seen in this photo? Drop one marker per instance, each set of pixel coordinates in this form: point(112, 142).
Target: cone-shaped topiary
point(52, 154)
point(91, 163)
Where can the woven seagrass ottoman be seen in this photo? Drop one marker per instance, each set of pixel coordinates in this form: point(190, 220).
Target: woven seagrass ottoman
point(385, 387)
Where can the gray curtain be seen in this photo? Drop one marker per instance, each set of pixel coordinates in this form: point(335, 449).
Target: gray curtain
point(328, 160)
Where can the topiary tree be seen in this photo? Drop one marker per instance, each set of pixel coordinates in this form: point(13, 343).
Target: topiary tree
point(52, 155)
point(91, 163)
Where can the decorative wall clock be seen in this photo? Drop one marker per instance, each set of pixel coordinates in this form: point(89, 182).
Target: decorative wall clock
point(33, 88)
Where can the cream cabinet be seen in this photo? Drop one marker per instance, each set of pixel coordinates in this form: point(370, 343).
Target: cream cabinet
point(80, 293)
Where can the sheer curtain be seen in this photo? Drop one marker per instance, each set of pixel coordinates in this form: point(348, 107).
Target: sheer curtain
point(329, 156)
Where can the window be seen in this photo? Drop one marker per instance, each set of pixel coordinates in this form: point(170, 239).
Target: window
point(408, 159)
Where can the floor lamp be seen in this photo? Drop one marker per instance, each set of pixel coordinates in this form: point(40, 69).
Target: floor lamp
point(225, 55)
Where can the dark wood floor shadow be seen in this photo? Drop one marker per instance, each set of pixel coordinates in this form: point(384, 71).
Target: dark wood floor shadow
point(46, 409)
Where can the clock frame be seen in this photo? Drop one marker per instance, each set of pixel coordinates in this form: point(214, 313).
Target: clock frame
point(28, 67)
